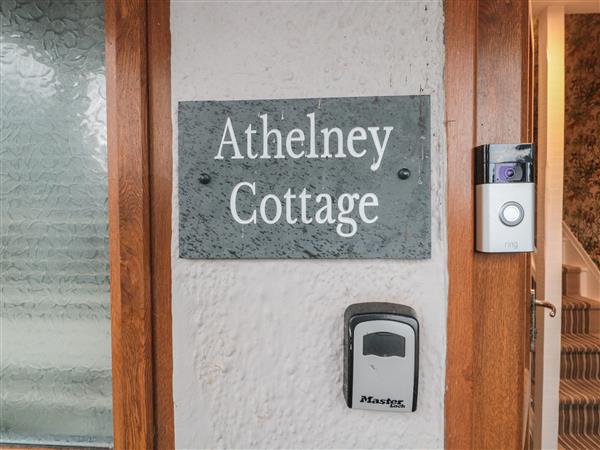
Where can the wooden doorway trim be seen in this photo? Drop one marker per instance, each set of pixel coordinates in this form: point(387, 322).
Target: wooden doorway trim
point(486, 102)
point(161, 186)
point(140, 183)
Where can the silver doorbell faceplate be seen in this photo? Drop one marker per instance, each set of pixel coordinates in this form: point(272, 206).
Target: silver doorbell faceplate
point(504, 198)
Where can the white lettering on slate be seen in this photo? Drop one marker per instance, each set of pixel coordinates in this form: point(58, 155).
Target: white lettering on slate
point(344, 207)
point(273, 136)
point(272, 209)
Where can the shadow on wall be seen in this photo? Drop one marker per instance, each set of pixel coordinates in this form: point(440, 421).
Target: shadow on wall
point(582, 130)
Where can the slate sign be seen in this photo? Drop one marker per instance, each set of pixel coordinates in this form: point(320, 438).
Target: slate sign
point(305, 178)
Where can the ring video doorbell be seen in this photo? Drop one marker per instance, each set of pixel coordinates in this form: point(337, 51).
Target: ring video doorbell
point(504, 198)
point(381, 357)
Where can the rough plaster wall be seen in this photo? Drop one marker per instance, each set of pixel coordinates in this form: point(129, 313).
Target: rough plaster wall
point(258, 344)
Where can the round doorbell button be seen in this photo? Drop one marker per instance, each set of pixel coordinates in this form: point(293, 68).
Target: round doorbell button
point(511, 214)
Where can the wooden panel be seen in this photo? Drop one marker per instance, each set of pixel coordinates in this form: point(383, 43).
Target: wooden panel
point(460, 40)
point(129, 223)
point(486, 102)
point(499, 283)
point(161, 170)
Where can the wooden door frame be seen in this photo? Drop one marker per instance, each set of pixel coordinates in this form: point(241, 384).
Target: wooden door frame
point(138, 68)
point(487, 95)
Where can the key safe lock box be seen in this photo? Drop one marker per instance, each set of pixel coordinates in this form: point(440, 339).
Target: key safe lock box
point(504, 198)
point(381, 357)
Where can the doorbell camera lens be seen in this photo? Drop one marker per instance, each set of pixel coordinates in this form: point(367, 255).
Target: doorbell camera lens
point(506, 173)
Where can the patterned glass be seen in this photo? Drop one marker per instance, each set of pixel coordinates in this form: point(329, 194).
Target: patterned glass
point(55, 364)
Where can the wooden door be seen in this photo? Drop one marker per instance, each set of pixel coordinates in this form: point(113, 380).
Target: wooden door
point(487, 101)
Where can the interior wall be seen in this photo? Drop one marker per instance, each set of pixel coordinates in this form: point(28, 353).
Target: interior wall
point(582, 130)
point(257, 357)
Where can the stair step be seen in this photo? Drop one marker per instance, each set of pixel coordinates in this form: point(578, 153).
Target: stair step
point(580, 392)
point(580, 357)
point(579, 420)
point(571, 279)
point(576, 301)
point(576, 441)
point(580, 343)
point(575, 315)
point(579, 411)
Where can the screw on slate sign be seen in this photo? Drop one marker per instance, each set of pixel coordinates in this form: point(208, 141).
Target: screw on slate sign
point(404, 174)
point(204, 178)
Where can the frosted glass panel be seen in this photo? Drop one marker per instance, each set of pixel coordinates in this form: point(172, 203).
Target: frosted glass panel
point(55, 363)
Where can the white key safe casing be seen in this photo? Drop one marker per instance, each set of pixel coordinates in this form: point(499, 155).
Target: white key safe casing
point(381, 357)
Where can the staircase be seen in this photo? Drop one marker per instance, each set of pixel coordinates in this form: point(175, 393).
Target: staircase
point(579, 420)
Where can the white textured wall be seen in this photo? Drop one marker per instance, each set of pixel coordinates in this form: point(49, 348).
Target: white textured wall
point(258, 344)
